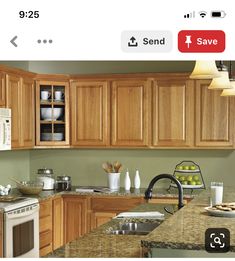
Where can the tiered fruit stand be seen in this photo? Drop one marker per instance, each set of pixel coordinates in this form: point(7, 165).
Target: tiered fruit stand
point(189, 175)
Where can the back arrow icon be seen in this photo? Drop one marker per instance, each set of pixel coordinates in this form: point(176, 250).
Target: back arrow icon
point(13, 41)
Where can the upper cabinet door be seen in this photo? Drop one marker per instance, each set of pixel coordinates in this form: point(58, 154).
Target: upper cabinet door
point(130, 113)
point(213, 117)
point(13, 90)
point(52, 113)
point(89, 113)
point(173, 113)
point(28, 112)
point(2, 89)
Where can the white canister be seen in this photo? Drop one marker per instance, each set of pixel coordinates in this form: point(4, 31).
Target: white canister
point(114, 181)
point(48, 182)
point(46, 176)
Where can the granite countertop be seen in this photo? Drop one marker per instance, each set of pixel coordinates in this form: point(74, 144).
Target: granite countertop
point(184, 230)
point(159, 192)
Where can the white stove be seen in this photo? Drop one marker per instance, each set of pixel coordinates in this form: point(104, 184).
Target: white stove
point(21, 202)
point(21, 228)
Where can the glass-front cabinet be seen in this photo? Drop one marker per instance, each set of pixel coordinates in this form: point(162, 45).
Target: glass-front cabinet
point(52, 113)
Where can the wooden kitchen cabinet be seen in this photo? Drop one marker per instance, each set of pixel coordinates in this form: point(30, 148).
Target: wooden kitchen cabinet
point(103, 209)
point(52, 114)
point(13, 89)
point(130, 105)
point(90, 113)
point(2, 89)
point(28, 113)
point(214, 117)
point(58, 222)
point(45, 227)
point(75, 217)
point(173, 112)
point(20, 98)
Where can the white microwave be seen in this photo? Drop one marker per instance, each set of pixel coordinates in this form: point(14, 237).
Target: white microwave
point(5, 129)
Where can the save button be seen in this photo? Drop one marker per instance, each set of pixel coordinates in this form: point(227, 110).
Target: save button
point(201, 41)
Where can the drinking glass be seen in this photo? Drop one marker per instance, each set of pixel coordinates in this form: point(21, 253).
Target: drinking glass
point(216, 193)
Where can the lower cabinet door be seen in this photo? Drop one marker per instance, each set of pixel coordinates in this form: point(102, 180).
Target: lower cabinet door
point(58, 221)
point(45, 227)
point(75, 217)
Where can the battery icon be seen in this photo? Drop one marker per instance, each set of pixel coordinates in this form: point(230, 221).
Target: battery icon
point(218, 14)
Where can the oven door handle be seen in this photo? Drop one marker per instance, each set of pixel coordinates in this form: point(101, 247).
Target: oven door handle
point(12, 215)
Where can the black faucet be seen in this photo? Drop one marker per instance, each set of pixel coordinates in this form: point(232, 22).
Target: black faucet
point(149, 191)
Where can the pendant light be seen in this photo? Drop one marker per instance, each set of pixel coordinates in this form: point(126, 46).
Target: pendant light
point(204, 70)
point(231, 91)
point(223, 81)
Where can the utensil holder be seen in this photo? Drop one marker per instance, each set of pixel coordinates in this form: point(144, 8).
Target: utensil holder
point(114, 181)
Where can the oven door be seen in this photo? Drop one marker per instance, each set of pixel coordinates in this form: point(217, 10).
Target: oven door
point(21, 232)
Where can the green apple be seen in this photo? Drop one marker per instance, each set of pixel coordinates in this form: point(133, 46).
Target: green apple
point(179, 167)
point(177, 176)
point(198, 183)
point(186, 167)
point(192, 167)
point(189, 178)
point(185, 182)
point(196, 177)
point(182, 178)
point(192, 183)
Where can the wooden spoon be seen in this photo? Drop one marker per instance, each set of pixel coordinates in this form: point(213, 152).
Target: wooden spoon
point(117, 165)
point(110, 167)
point(105, 167)
point(16, 181)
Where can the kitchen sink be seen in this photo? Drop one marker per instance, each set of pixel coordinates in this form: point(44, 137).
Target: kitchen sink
point(135, 228)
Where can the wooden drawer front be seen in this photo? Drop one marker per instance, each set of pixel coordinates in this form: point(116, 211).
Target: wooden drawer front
point(45, 224)
point(45, 238)
point(114, 204)
point(45, 208)
point(45, 250)
point(45, 243)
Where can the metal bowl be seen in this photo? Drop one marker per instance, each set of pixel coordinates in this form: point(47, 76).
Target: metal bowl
point(30, 187)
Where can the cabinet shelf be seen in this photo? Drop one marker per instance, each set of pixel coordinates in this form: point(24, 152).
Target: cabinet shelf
point(52, 103)
point(50, 122)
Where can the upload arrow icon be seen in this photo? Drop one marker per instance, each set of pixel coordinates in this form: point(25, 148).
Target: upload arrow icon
point(133, 42)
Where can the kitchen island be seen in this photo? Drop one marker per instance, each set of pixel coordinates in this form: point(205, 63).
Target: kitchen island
point(184, 230)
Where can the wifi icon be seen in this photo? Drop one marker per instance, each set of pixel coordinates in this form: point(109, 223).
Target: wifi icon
point(202, 14)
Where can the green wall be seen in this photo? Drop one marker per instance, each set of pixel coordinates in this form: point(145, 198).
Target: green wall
point(85, 67)
point(24, 65)
point(84, 166)
point(14, 164)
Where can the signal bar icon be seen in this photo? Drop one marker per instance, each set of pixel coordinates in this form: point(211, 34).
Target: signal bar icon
point(190, 15)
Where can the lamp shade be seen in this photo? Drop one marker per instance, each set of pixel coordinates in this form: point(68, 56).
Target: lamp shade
point(221, 83)
point(204, 70)
point(231, 91)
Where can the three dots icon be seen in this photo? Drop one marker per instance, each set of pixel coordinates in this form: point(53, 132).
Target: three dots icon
point(39, 41)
